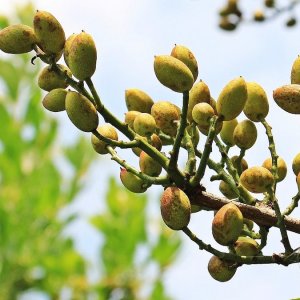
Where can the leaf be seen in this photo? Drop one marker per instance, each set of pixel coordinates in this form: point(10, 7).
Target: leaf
point(158, 291)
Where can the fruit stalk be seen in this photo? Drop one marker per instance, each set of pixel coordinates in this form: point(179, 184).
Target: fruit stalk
point(293, 205)
point(280, 258)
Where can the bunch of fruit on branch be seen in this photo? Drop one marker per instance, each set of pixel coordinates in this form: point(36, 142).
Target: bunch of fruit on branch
point(232, 13)
point(158, 132)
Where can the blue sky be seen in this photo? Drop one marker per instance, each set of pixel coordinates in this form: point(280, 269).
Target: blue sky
point(128, 34)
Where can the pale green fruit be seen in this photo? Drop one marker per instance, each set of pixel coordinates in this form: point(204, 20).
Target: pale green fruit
point(295, 72)
point(281, 167)
point(82, 56)
point(49, 80)
point(67, 47)
point(287, 97)
point(245, 134)
point(257, 179)
point(257, 105)
point(246, 246)
point(227, 224)
point(49, 33)
point(199, 93)
point(108, 131)
point(175, 208)
point(130, 117)
point(226, 133)
point(166, 114)
point(244, 164)
point(202, 113)
point(148, 165)
point(173, 73)
point(132, 182)
point(144, 124)
point(55, 100)
point(81, 112)
point(205, 129)
point(138, 100)
point(296, 164)
point(226, 190)
point(221, 270)
point(186, 56)
point(232, 99)
point(17, 39)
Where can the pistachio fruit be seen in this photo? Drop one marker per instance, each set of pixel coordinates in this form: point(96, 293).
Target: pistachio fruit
point(55, 100)
point(138, 100)
point(108, 131)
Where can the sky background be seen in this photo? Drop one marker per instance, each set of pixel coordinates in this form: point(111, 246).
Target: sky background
point(128, 34)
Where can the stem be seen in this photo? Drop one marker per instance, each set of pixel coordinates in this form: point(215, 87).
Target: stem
point(207, 150)
point(264, 231)
point(120, 144)
point(191, 162)
point(248, 260)
point(162, 180)
point(180, 133)
point(293, 205)
point(239, 161)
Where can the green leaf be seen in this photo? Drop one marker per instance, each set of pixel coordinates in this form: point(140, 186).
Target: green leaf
point(158, 291)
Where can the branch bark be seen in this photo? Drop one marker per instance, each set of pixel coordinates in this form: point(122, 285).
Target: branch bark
point(260, 214)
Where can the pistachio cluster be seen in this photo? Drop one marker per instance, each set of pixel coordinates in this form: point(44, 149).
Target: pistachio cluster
point(151, 127)
point(232, 14)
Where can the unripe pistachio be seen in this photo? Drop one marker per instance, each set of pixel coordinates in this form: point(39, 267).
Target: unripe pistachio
point(295, 72)
point(173, 73)
point(132, 182)
point(81, 112)
point(82, 56)
point(49, 80)
point(144, 124)
point(199, 93)
point(244, 164)
point(245, 134)
point(213, 104)
point(226, 133)
point(281, 167)
point(138, 100)
point(226, 24)
point(246, 246)
point(186, 56)
point(55, 100)
point(257, 179)
point(108, 131)
point(148, 165)
point(166, 114)
point(287, 97)
point(257, 105)
point(130, 117)
point(67, 47)
point(269, 3)
point(232, 99)
point(205, 129)
point(221, 270)
point(202, 113)
point(259, 16)
point(227, 224)
point(17, 39)
point(175, 208)
point(49, 33)
point(226, 190)
point(296, 164)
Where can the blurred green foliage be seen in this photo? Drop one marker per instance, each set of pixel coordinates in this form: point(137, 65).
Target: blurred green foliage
point(34, 254)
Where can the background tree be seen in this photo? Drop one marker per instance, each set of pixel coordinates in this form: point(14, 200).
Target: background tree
point(36, 256)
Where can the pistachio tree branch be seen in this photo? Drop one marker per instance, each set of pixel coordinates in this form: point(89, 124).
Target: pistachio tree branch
point(260, 214)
